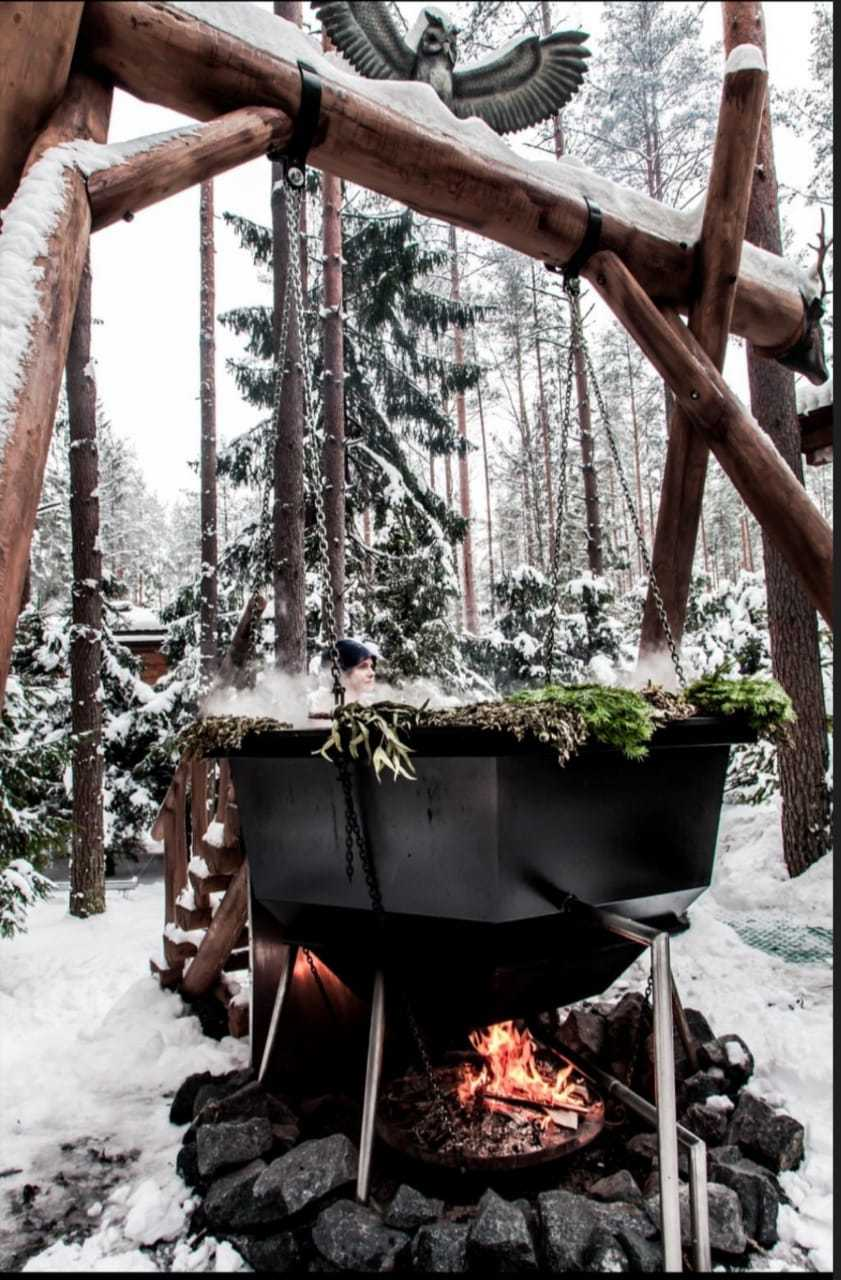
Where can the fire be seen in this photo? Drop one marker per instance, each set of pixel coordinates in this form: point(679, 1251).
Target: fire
point(510, 1075)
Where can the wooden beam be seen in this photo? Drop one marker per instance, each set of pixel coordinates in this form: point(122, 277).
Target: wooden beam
point(719, 254)
point(218, 943)
point(37, 40)
point(768, 486)
point(165, 53)
point(816, 435)
point(178, 162)
point(55, 260)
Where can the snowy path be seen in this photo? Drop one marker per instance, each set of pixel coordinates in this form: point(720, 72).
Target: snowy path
point(90, 1046)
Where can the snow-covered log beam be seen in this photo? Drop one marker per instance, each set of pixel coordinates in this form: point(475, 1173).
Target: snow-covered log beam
point(767, 484)
point(398, 139)
point(222, 934)
point(37, 39)
point(719, 253)
point(168, 165)
point(42, 252)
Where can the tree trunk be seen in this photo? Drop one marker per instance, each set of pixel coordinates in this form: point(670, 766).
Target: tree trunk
point(334, 386)
point(471, 612)
point(543, 413)
point(530, 470)
point(87, 867)
point(557, 126)
point(487, 501)
point(207, 362)
point(288, 512)
point(792, 621)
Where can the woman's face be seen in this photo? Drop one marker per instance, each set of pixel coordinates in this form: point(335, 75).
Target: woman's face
point(360, 679)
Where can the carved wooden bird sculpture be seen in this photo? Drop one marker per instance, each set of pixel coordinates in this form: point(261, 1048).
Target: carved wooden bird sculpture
point(530, 79)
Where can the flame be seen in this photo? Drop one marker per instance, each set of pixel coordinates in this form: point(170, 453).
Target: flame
point(510, 1071)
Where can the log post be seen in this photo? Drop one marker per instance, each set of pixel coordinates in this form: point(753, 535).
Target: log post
point(54, 261)
point(195, 154)
point(719, 254)
point(222, 932)
point(37, 39)
point(204, 66)
point(767, 485)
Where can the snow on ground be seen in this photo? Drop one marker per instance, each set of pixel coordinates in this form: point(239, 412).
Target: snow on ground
point(92, 1049)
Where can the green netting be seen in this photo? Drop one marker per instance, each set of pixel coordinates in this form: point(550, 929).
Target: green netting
point(797, 943)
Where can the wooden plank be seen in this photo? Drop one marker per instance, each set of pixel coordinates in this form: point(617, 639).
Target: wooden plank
point(199, 781)
point(816, 429)
point(768, 486)
point(37, 40)
point(720, 250)
point(219, 940)
point(177, 163)
point(222, 861)
point(171, 56)
point(27, 411)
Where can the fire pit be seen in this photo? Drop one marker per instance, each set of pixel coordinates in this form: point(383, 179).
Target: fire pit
point(513, 1105)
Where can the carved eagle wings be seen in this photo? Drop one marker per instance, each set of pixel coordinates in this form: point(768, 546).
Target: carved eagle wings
point(530, 79)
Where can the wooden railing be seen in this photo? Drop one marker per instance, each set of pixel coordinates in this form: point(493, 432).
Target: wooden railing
point(198, 823)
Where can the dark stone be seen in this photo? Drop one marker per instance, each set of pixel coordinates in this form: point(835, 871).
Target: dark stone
point(499, 1239)
point(567, 1225)
point(187, 1165)
point(643, 1255)
point(605, 1253)
point(353, 1238)
point(308, 1174)
point(626, 1027)
point(230, 1204)
point(617, 1186)
point(278, 1253)
point(774, 1140)
point(727, 1231)
point(698, 1026)
point(583, 1032)
point(755, 1188)
point(642, 1153)
point(284, 1137)
point(409, 1209)
point(441, 1247)
point(220, 1086)
point(619, 1215)
point(279, 1111)
point(731, 1055)
point(243, 1104)
point(704, 1084)
point(708, 1123)
point(233, 1142)
point(181, 1110)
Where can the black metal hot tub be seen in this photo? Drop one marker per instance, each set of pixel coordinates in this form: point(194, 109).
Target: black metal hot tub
point(475, 858)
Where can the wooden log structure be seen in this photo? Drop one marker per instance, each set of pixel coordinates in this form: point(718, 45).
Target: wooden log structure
point(168, 54)
point(224, 929)
point(719, 254)
point(816, 435)
point(37, 39)
point(27, 410)
point(769, 487)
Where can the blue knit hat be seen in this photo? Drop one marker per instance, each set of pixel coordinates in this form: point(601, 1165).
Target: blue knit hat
point(351, 653)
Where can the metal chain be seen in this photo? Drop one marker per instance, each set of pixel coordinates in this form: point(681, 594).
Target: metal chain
point(633, 1056)
point(308, 956)
point(572, 289)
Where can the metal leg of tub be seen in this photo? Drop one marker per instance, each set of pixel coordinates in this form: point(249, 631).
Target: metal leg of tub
point(373, 1071)
point(283, 984)
point(692, 1144)
point(664, 1077)
point(687, 1039)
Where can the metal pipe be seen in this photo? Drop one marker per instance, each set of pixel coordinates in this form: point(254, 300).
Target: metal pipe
point(373, 1071)
point(664, 1075)
point(283, 983)
point(664, 1093)
point(695, 1146)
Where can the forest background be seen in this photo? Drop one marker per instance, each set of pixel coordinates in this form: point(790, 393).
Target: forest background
point(418, 495)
